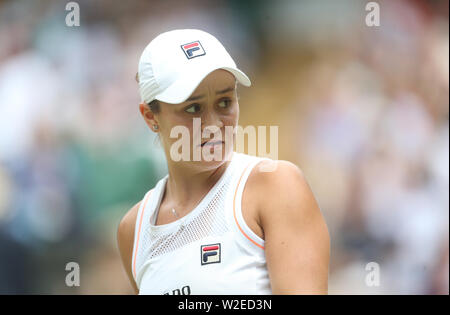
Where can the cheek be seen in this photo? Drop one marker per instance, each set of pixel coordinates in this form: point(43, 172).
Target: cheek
point(231, 119)
point(175, 124)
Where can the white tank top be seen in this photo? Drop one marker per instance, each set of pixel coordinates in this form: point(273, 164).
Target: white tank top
point(209, 251)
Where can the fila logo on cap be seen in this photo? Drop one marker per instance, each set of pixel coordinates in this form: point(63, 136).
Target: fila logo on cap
point(210, 254)
point(192, 50)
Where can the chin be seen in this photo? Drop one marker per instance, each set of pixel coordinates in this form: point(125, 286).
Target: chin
point(215, 162)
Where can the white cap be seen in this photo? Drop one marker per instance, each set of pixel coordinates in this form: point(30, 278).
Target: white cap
point(174, 63)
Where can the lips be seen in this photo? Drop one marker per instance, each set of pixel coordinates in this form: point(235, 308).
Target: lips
point(211, 143)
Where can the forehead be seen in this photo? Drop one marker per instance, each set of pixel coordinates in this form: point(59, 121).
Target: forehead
point(216, 80)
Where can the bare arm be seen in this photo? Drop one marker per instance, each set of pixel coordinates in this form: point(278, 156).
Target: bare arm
point(297, 241)
point(125, 240)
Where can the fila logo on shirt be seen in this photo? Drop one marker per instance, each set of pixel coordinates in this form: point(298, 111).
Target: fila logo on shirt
point(192, 50)
point(210, 254)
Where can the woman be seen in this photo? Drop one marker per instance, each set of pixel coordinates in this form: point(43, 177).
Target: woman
point(236, 224)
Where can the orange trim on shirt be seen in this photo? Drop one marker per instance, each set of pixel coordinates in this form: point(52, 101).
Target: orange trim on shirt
point(139, 234)
point(234, 211)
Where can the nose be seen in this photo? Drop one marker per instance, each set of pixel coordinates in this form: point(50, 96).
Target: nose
point(211, 118)
point(212, 121)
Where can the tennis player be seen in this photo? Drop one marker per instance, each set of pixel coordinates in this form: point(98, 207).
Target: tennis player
point(239, 224)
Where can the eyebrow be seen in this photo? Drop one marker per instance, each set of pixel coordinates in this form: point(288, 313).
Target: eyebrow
point(194, 98)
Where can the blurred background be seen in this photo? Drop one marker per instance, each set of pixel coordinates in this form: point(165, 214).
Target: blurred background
point(363, 111)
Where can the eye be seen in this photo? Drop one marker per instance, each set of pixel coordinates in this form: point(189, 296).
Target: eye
point(224, 103)
point(194, 108)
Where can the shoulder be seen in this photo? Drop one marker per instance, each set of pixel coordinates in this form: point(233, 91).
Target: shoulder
point(127, 225)
point(282, 188)
point(125, 231)
point(128, 221)
point(269, 176)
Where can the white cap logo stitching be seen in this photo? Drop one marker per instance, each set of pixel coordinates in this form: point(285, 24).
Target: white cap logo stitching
point(192, 50)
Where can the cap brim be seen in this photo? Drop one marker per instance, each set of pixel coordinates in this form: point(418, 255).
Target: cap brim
point(182, 88)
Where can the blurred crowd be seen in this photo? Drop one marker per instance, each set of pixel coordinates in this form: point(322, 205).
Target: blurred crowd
point(363, 111)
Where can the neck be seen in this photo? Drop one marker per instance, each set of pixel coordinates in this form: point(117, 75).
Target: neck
point(187, 186)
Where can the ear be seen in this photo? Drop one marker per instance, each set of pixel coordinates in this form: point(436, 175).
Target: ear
point(148, 116)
